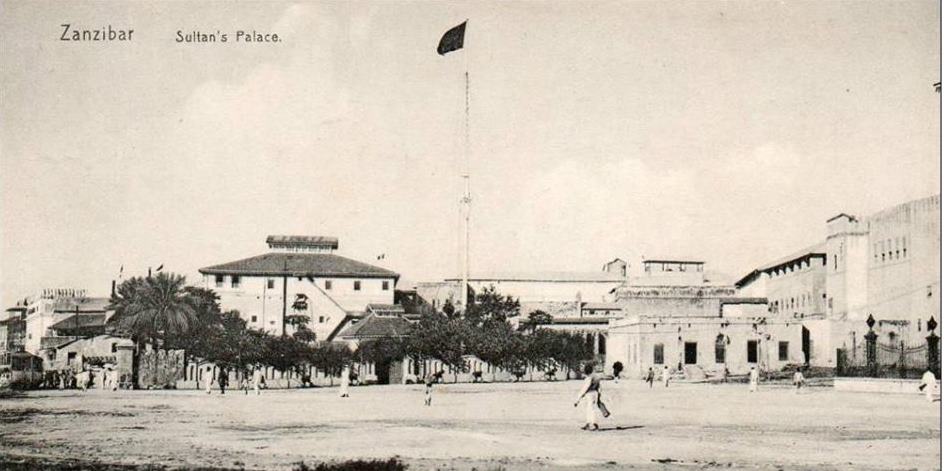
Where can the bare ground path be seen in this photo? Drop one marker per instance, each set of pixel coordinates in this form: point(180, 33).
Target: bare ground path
point(481, 426)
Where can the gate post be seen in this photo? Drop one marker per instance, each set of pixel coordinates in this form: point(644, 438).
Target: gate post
point(870, 354)
point(934, 359)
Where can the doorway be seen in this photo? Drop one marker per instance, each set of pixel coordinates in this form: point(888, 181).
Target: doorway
point(806, 345)
point(691, 353)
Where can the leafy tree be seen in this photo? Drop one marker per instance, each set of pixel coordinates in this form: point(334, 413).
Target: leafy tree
point(448, 309)
point(304, 334)
point(236, 346)
point(535, 320)
point(286, 354)
point(490, 307)
point(499, 345)
point(439, 337)
point(331, 358)
point(380, 351)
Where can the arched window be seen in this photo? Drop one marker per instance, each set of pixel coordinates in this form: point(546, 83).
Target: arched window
point(719, 348)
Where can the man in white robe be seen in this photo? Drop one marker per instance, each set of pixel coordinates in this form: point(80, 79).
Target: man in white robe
point(928, 385)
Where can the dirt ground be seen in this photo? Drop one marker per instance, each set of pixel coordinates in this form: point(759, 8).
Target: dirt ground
point(481, 426)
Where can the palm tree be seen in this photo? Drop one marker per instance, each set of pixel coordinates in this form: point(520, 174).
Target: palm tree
point(155, 308)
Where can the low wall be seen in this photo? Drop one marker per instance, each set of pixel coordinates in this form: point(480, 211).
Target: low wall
point(878, 385)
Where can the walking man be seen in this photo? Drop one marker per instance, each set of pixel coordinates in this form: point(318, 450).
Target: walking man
point(208, 379)
point(591, 390)
point(665, 375)
point(650, 377)
point(223, 380)
point(256, 379)
point(928, 385)
point(754, 379)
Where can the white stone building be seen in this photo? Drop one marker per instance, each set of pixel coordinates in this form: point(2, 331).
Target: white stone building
point(300, 275)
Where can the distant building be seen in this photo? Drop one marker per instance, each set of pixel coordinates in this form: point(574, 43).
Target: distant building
point(674, 314)
point(46, 312)
point(299, 276)
point(886, 265)
point(705, 345)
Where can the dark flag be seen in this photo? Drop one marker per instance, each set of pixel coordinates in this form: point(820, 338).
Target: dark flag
point(452, 40)
point(160, 267)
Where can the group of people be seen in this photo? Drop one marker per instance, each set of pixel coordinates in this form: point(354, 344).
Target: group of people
point(256, 381)
point(106, 377)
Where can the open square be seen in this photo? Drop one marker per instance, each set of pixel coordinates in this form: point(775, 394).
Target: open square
point(482, 426)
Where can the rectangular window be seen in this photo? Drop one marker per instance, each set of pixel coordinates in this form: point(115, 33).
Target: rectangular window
point(752, 351)
point(784, 351)
point(658, 351)
point(252, 319)
point(220, 279)
point(70, 358)
point(234, 281)
point(270, 283)
point(357, 285)
point(321, 319)
point(327, 284)
point(114, 348)
point(385, 286)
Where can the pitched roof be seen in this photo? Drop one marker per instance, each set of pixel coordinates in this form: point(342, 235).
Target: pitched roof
point(813, 250)
point(302, 241)
point(80, 322)
point(300, 264)
point(374, 326)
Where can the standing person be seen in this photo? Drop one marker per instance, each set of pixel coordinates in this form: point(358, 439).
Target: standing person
point(223, 380)
point(430, 379)
point(754, 378)
point(665, 375)
point(102, 379)
point(591, 389)
point(650, 377)
point(83, 379)
point(256, 379)
point(617, 369)
point(345, 380)
point(798, 380)
point(208, 379)
point(928, 384)
point(244, 381)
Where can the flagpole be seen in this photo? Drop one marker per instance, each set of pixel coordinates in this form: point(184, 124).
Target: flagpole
point(467, 196)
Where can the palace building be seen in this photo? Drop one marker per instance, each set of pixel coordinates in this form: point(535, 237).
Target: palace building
point(300, 276)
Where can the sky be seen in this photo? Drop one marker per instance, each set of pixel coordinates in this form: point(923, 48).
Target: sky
point(721, 131)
